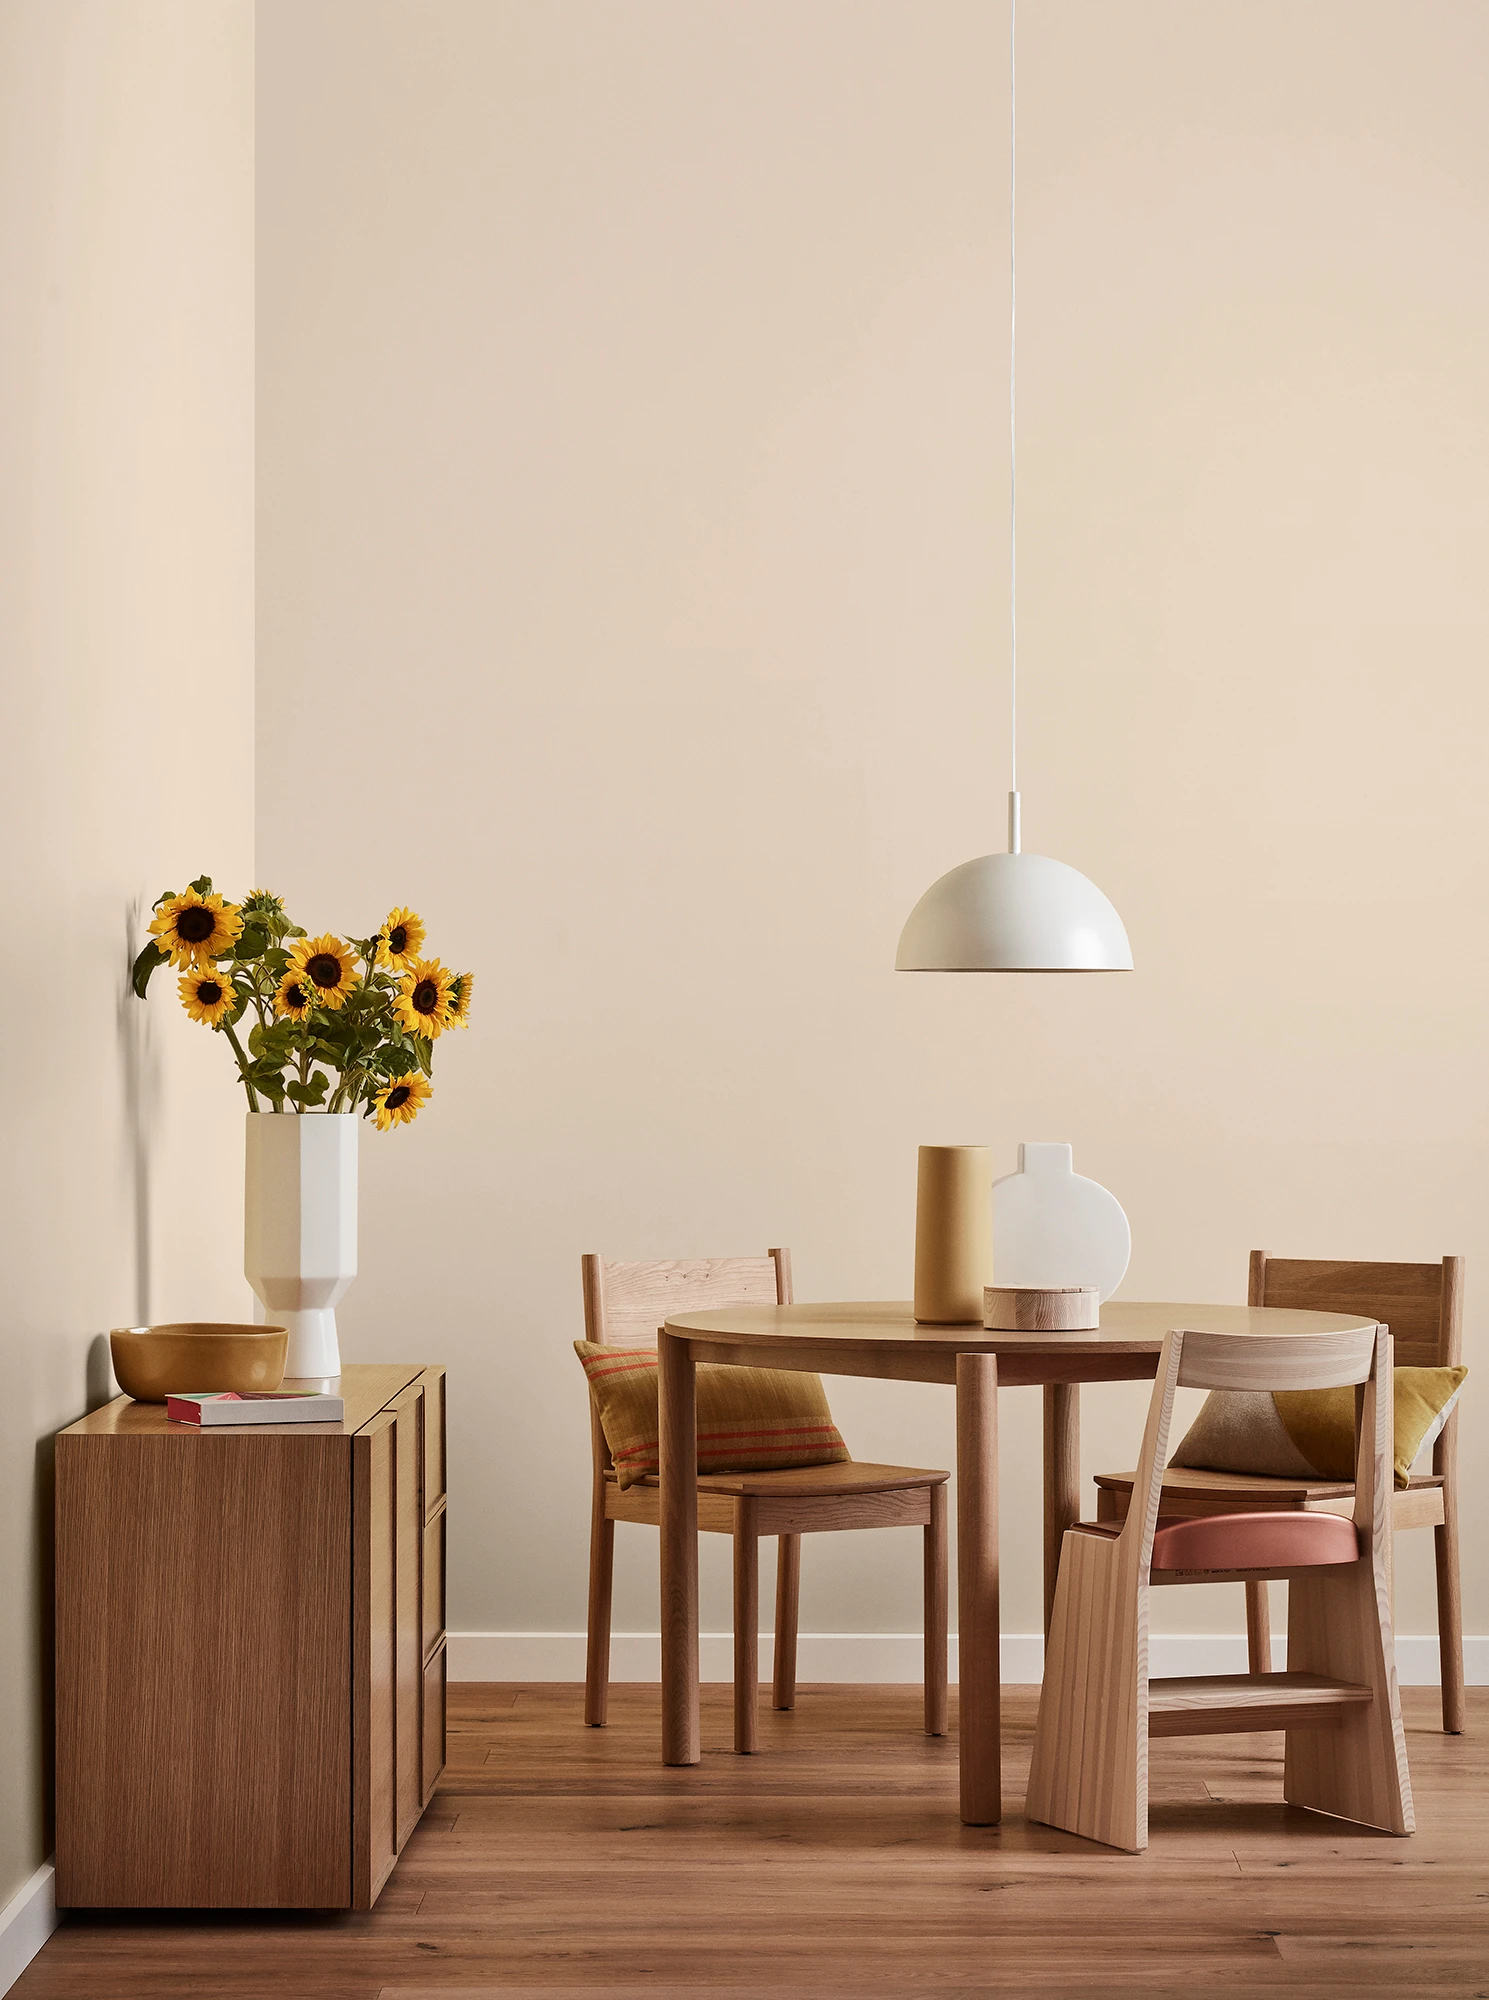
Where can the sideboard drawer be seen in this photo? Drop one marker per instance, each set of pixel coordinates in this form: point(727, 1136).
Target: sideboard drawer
point(434, 1582)
point(434, 1721)
point(434, 1438)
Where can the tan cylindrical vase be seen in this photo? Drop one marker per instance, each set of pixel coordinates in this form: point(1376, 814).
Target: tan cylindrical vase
point(953, 1234)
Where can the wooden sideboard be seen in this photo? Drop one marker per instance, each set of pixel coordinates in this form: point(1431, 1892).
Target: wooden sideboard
point(250, 1650)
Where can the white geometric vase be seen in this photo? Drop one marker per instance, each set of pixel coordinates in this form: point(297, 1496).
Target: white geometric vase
point(300, 1227)
point(1052, 1226)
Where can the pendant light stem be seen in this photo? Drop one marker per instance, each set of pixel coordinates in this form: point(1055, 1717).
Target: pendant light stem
point(1013, 484)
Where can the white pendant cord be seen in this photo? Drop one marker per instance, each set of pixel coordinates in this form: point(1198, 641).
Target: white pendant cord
point(1014, 830)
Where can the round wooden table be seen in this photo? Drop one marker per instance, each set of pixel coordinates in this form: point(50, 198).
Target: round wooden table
point(885, 1341)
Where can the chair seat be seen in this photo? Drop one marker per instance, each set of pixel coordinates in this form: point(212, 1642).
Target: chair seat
point(1192, 1488)
point(1290, 1540)
point(784, 1483)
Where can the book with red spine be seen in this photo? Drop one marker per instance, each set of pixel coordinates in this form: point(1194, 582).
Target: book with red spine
point(254, 1406)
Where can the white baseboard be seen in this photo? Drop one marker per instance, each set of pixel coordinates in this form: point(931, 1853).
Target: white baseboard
point(883, 1657)
point(26, 1922)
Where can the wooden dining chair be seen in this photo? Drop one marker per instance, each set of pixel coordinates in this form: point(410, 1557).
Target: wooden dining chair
point(1422, 1304)
point(1338, 1700)
point(624, 1306)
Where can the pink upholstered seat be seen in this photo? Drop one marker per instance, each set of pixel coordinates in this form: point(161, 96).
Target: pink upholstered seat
point(1255, 1541)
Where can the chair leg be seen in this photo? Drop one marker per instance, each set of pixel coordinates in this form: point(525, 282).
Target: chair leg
point(1450, 1612)
point(1089, 1771)
point(1258, 1629)
point(597, 1642)
point(1338, 1625)
point(937, 1600)
point(788, 1598)
point(746, 1624)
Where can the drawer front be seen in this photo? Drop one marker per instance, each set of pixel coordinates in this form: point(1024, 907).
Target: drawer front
point(409, 1412)
point(434, 1437)
point(374, 1657)
point(434, 1723)
point(203, 1648)
point(434, 1582)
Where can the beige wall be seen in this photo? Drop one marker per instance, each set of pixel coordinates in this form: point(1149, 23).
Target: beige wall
point(632, 601)
point(126, 659)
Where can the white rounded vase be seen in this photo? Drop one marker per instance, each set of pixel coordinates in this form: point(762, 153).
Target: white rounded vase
point(300, 1227)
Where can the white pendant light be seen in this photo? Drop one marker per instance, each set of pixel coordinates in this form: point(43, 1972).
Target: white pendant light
point(1013, 912)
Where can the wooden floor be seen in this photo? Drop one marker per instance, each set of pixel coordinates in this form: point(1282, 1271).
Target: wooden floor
point(557, 1861)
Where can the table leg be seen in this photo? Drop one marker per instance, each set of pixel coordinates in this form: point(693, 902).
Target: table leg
point(678, 1432)
point(1062, 1478)
point(979, 1690)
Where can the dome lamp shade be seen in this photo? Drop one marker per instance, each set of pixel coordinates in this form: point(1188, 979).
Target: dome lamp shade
point(1013, 913)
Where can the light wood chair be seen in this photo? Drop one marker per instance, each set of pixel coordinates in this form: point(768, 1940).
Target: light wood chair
point(1422, 1305)
point(624, 1305)
point(1337, 1701)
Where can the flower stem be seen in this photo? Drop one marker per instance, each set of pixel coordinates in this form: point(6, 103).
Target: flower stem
point(253, 1103)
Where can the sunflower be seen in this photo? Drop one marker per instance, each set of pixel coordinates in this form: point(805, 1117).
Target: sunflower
point(327, 967)
point(193, 930)
point(423, 1003)
point(207, 995)
point(400, 940)
point(460, 1000)
point(295, 997)
point(397, 1103)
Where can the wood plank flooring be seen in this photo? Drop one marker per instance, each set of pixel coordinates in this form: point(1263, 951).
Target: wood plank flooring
point(559, 1863)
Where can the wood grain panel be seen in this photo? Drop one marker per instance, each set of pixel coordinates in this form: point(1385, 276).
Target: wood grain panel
point(203, 1669)
point(432, 1759)
point(434, 1437)
point(635, 1299)
point(374, 1657)
point(1293, 1361)
point(408, 1534)
point(905, 1509)
point(434, 1584)
point(1219, 1704)
point(1408, 1298)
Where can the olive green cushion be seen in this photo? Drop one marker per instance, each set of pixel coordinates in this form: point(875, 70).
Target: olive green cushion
point(1310, 1433)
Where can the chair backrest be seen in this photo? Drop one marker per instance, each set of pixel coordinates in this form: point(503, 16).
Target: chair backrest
point(1273, 1361)
point(1422, 1304)
point(624, 1304)
point(1276, 1361)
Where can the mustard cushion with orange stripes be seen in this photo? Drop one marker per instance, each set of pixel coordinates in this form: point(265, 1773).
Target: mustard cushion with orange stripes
point(749, 1419)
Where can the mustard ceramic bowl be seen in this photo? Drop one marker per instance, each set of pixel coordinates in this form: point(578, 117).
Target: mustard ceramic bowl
point(153, 1362)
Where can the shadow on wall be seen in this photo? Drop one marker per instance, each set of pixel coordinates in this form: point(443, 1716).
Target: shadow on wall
point(139, 1073)
point(46, 1459)
point(140, 1083)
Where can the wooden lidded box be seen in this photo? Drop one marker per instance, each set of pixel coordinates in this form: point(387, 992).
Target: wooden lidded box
point(250, 1650)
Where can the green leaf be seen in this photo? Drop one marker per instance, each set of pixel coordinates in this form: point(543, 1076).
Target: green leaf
point(165, 896)
point(145, 964)
point(397, 1062)
point(426, 1055)
point(312, 1092)
point(256, 1040)
point(252, 943)
point(202, 885)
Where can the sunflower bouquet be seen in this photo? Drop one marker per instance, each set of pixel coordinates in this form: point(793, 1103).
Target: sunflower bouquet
point(336, 1023)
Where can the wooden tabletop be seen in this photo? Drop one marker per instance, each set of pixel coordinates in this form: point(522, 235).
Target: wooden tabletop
point(883, 1338)
point(364, 1389)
